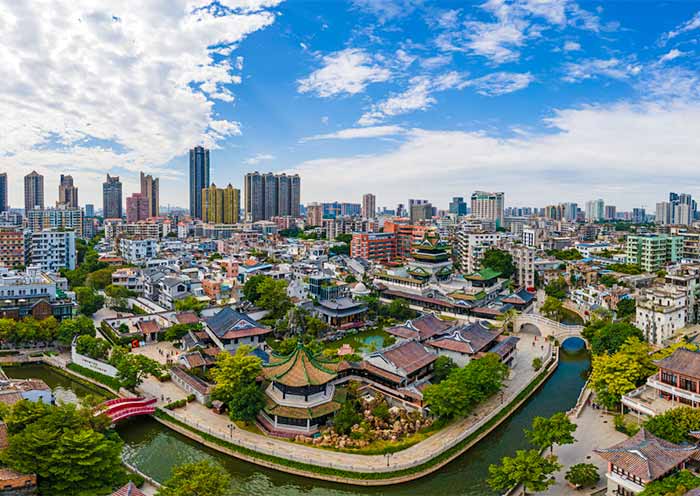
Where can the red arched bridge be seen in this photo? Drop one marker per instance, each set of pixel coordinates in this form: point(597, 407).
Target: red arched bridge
point(123, 408)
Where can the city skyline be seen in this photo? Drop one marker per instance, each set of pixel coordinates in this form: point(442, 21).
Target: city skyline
point(577, 99)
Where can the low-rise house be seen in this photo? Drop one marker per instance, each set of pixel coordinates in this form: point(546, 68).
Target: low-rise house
point(466, 342)
point(421, 328)
point(130, 278)
point(641, 459)
point(229, 329)
point(661, 311)
point(343, 313)
point(410, 361)
point(191, 384)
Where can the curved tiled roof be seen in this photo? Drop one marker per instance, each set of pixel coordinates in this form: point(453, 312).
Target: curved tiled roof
point(300, 368)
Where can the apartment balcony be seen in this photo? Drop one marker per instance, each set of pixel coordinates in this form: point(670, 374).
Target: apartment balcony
point(653, 382)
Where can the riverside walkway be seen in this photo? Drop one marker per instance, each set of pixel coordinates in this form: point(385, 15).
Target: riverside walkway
point(219, 426)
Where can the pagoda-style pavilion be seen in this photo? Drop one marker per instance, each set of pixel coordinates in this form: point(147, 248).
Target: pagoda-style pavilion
point(300, 397)
point(431, 259)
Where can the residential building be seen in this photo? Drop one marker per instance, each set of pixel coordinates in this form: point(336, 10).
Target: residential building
point(137, 250)
point(67, 192)
point(62, 217)
point(199, 179)
point(89, 210)
point(53, 249)
point(112, 198)
point(369, 206)
point(524, 261)
point(221, 205)
point(420, 212)
point(32, 293)
point(373, 246)
point(488, 206)
point(471, 245)
point(137, 207)
point(150, 189)
point(664, 213)
point(13, 247)
point(129, 278)
point(639, 216)
point(230, 329)
point(271, 195)
point(33, 191)
point(458, 206)
point(314, 214)
point(610, 212)
point(661, 311)
point(653, 251)
point(595, 210)
point(4, 205)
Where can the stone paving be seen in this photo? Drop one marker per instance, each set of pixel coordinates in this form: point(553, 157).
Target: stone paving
point(220, 425)
point(595, 430)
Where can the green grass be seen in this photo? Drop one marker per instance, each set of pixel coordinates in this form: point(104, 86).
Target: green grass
point(445, 455)
point(101, 378)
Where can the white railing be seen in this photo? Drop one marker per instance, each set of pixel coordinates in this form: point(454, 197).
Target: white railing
point(667, 388)
point(297, 401)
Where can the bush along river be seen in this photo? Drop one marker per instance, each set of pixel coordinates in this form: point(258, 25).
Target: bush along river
point(155, 450)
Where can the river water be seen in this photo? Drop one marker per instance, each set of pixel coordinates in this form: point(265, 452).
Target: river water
point(155, 450)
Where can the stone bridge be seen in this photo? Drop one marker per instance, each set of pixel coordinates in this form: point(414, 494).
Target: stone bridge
point(537, 324)
point(578, 310)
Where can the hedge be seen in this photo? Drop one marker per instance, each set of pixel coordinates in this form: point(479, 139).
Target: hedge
point(101, 378)
point(509, 409)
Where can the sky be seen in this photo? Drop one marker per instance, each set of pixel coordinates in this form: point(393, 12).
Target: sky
point(547, 100)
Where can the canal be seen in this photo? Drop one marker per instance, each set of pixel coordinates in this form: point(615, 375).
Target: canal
point(155, 450)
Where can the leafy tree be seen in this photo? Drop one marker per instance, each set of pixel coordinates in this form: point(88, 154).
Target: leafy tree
point(65, 448)
point(79, 326)
point(546, 432)
point(132, 369)
point(399, 310)
point(346, 417)
point(553, 308)
point(607, 280)
point(607, 337)
point(202, 478)
point(190, 304)
point(508, 318)
point(114, 291)
point(442, 368)
point(582, 474)
point(100, 279)
point(251, 288)
point(626, 308)
point(536, 363)
point(617, 374)
point(498, 260)
point(675, 424)
point(466, 387)
point(233, 372)
point(344, 238)
point(528, 468)
point(350, 279)
point(567, 255)
point(92, 347)
point(674, 485)
point(664, 352)
point(88, 300)
point(178, 331)
point(246, 402)
point(630, 269)
point(273, 297)
point(558, 288)
point(215, 256)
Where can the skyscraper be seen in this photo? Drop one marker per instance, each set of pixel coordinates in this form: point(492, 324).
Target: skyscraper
point(488, 206)
point(33, 191)
point(137, 207)
point(369, 206)
point(269, 195)
point(67, 192)
point(595, 210)
point(3, 192)
point(221, 205)
point(458, 206)
point(112, 198)
point(199, 179)
point(150, 190)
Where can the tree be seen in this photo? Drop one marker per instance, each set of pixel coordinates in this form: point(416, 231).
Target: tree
point(178, 331)
point(233, 372)
point(273, 297)
point(617, 374)
point(608, 280)
point(553, 308)
point(100, 279)
point(582, 474)
point(442, 368)
point(65, 448)
point(537, 363)
point(202, 478)
point(626, 308)
point(246, 402)
point(92, 347)
point(250, 288)
point(190, 304)
point(466, 387)
point(675, 424)
point(88, 300)
point(607, 337)
point(546, 432)
point(132, 369)
point(558, 288)
point(79, 326)
point(346, 417)
point(498, 260)
point(344, 238)
point(508, 318)
point(399, 310)
point(528, 468)
point(114, 291)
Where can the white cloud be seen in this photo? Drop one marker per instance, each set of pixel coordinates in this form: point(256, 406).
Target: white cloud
point(671, 83)
point(416, 97)
point(358, 132)
point(572, 46)
point(690, 25)
point(625, 153)
point(671, 55)
point(500, 83)
point(436, 61)
point(115, 84)
point(387, 9)
point(348, 71)
point(592, 68)
point(259, 157)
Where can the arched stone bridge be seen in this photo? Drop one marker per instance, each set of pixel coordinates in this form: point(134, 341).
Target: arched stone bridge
point(537, 324)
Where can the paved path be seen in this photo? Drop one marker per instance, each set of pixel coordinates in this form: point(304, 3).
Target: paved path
point(595, 430)
point(220, 426)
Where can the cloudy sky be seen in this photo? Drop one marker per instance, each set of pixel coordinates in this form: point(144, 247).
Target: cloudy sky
point(547, 100)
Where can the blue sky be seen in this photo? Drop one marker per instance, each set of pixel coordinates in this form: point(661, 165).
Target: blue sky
point(547, 100)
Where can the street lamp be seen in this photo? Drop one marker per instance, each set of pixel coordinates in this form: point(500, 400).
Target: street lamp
point(388, 456)
point(230, 430)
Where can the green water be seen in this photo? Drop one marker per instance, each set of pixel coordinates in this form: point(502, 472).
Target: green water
point(155, 450)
